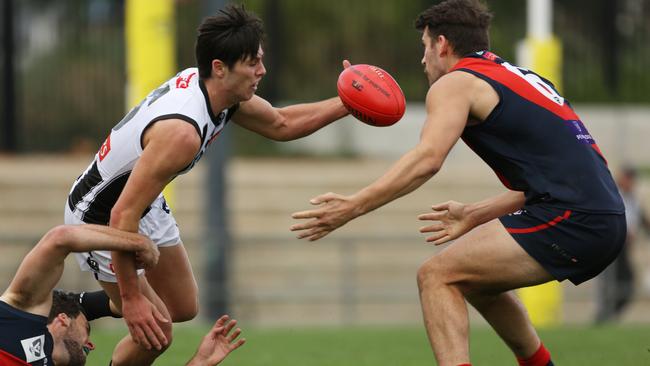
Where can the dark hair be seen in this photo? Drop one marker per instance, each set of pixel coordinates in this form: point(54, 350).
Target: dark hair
point(463, 22)
point(66, 303)
point(232, 35)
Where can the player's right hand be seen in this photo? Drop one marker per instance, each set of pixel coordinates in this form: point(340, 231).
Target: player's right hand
point(335, 211)
point(142, 317)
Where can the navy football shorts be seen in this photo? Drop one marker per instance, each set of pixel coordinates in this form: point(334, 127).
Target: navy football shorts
point(568, 244)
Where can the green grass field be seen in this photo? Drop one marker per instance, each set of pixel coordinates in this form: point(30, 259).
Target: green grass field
point(570, 346)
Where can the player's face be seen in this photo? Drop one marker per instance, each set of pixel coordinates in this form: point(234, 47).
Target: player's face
point(245, 76)
point(433, 65)
point(76, 342)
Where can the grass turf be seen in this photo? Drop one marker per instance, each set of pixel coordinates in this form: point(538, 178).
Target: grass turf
point(574, 346)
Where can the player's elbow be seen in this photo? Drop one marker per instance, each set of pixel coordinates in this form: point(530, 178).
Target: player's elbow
point(429, 161)
point(121, 214)
point(433, 167)
point(428, 167)
point(60, 238)
point(289, 125)
point(282, 131)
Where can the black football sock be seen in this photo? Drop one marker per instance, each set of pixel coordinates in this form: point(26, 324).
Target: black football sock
point(96, 305)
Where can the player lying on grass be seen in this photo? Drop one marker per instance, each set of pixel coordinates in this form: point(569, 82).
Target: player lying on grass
point(38, 327)
point(562, 217)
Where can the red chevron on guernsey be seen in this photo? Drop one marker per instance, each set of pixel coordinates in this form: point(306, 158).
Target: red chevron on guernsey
point(511, 77)
point(498, 72)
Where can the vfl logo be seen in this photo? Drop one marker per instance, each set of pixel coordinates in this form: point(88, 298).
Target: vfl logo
point(182, 82)
point(34, 348)
point(105, 148)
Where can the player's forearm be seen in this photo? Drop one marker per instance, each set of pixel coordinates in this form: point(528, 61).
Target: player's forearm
point(494, 207)
point(410, 172)
point(124, 262)
point(85, 238)
point(304, 119)
point(125, 271)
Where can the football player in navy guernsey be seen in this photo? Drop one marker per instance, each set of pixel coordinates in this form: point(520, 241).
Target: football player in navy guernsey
point(161, 138)
point(39, 327)
point(561, 217)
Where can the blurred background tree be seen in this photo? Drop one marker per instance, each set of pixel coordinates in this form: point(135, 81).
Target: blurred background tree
point(71, 69)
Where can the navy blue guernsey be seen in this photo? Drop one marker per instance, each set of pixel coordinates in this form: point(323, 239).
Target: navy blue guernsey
point(24, 338)
point(535, 142)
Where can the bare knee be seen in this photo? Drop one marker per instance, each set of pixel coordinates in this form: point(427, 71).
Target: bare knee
point(438, 273)
point(184, 310)
point(168, 332)
point(431, 274)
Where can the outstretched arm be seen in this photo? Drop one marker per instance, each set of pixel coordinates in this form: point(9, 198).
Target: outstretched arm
point(288, 123)
point(454, 219)
point(447, 111)
point(218, 343)
point(291, 122)
point(31, 288)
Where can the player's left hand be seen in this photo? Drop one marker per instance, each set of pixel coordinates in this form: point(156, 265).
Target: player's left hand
point(335, 211)
point(452, 222)
point(147, 258)
point(218, 343)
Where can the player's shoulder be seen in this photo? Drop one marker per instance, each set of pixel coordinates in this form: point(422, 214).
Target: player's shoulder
point(180, 94)
point(457, 78)
point(188, 73)
point(453, 84)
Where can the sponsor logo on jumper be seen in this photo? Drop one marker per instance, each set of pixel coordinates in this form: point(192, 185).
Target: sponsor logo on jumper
point(105, 148)
point(580, 131)
point(487, 55)
point(184, 82)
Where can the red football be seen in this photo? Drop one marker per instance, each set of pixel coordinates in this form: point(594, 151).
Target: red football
point(371, 95)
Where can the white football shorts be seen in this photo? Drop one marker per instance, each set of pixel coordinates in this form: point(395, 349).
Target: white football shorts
point(158, 224)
